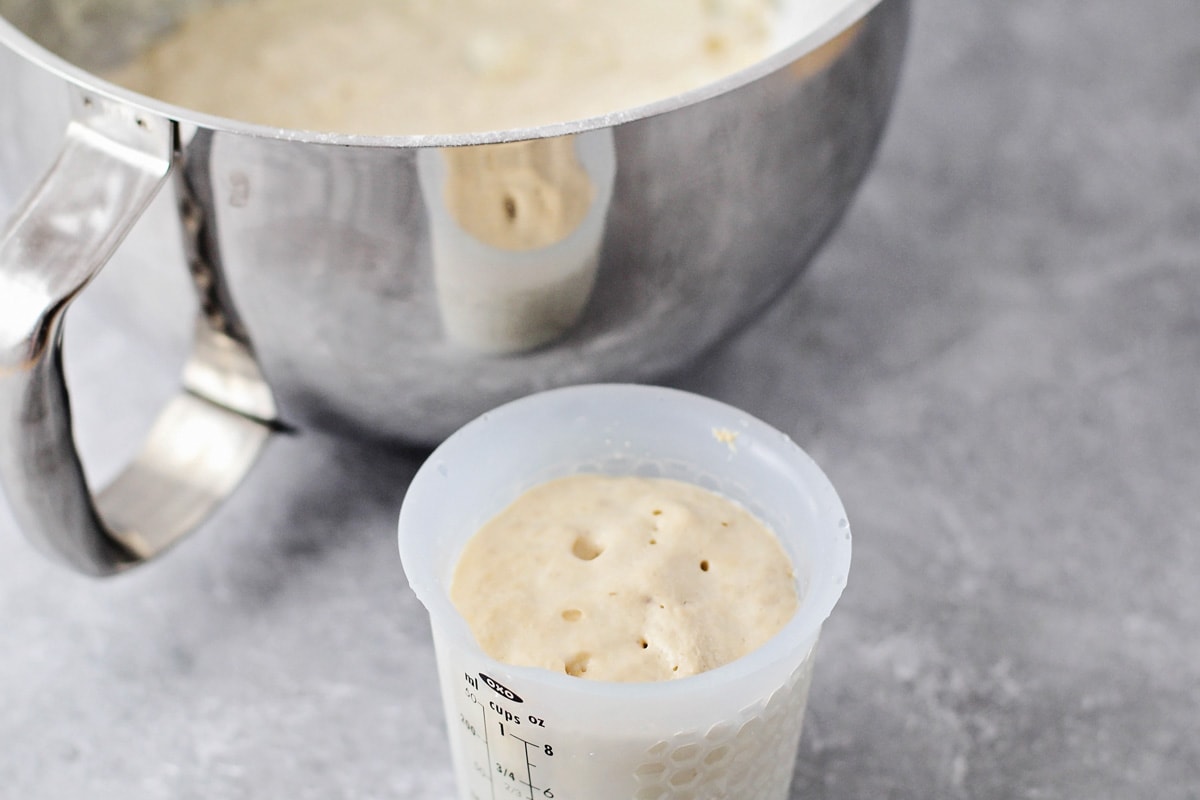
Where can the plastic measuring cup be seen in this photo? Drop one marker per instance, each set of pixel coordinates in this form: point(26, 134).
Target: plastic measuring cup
point(521, 732)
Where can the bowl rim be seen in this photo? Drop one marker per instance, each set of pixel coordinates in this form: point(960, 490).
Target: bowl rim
point(846, 15)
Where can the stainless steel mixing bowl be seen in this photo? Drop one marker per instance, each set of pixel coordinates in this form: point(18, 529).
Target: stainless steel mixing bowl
point(339, 286)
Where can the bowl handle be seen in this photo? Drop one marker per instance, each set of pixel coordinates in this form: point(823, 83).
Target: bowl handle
point(112, 163)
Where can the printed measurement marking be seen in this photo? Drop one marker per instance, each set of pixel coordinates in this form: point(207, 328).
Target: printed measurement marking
point(511, 785)
point(470, 726)
point(528, 769)
point(545, 748)
point(487, 745)
point(530, 766)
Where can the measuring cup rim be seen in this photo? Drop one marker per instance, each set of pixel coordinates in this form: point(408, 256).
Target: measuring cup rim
point(845, 15)
point(826, 580)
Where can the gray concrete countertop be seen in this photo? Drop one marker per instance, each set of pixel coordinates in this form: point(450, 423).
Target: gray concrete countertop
point(996, 359)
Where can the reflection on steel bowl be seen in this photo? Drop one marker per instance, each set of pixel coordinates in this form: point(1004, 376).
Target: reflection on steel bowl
point(341, 285)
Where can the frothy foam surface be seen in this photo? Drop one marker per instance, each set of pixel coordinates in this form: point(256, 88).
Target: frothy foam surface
point(623, 579)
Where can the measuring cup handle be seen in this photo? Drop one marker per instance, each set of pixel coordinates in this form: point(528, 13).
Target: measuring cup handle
point(112, 163)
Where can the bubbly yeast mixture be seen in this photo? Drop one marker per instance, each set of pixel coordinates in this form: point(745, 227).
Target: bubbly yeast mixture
point(623, 579)
point(443, 66)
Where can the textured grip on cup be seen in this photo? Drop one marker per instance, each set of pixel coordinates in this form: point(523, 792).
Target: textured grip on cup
point(749, 755)
point(112, 163)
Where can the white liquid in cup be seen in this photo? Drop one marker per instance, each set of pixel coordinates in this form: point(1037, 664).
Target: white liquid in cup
point(521, 732)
